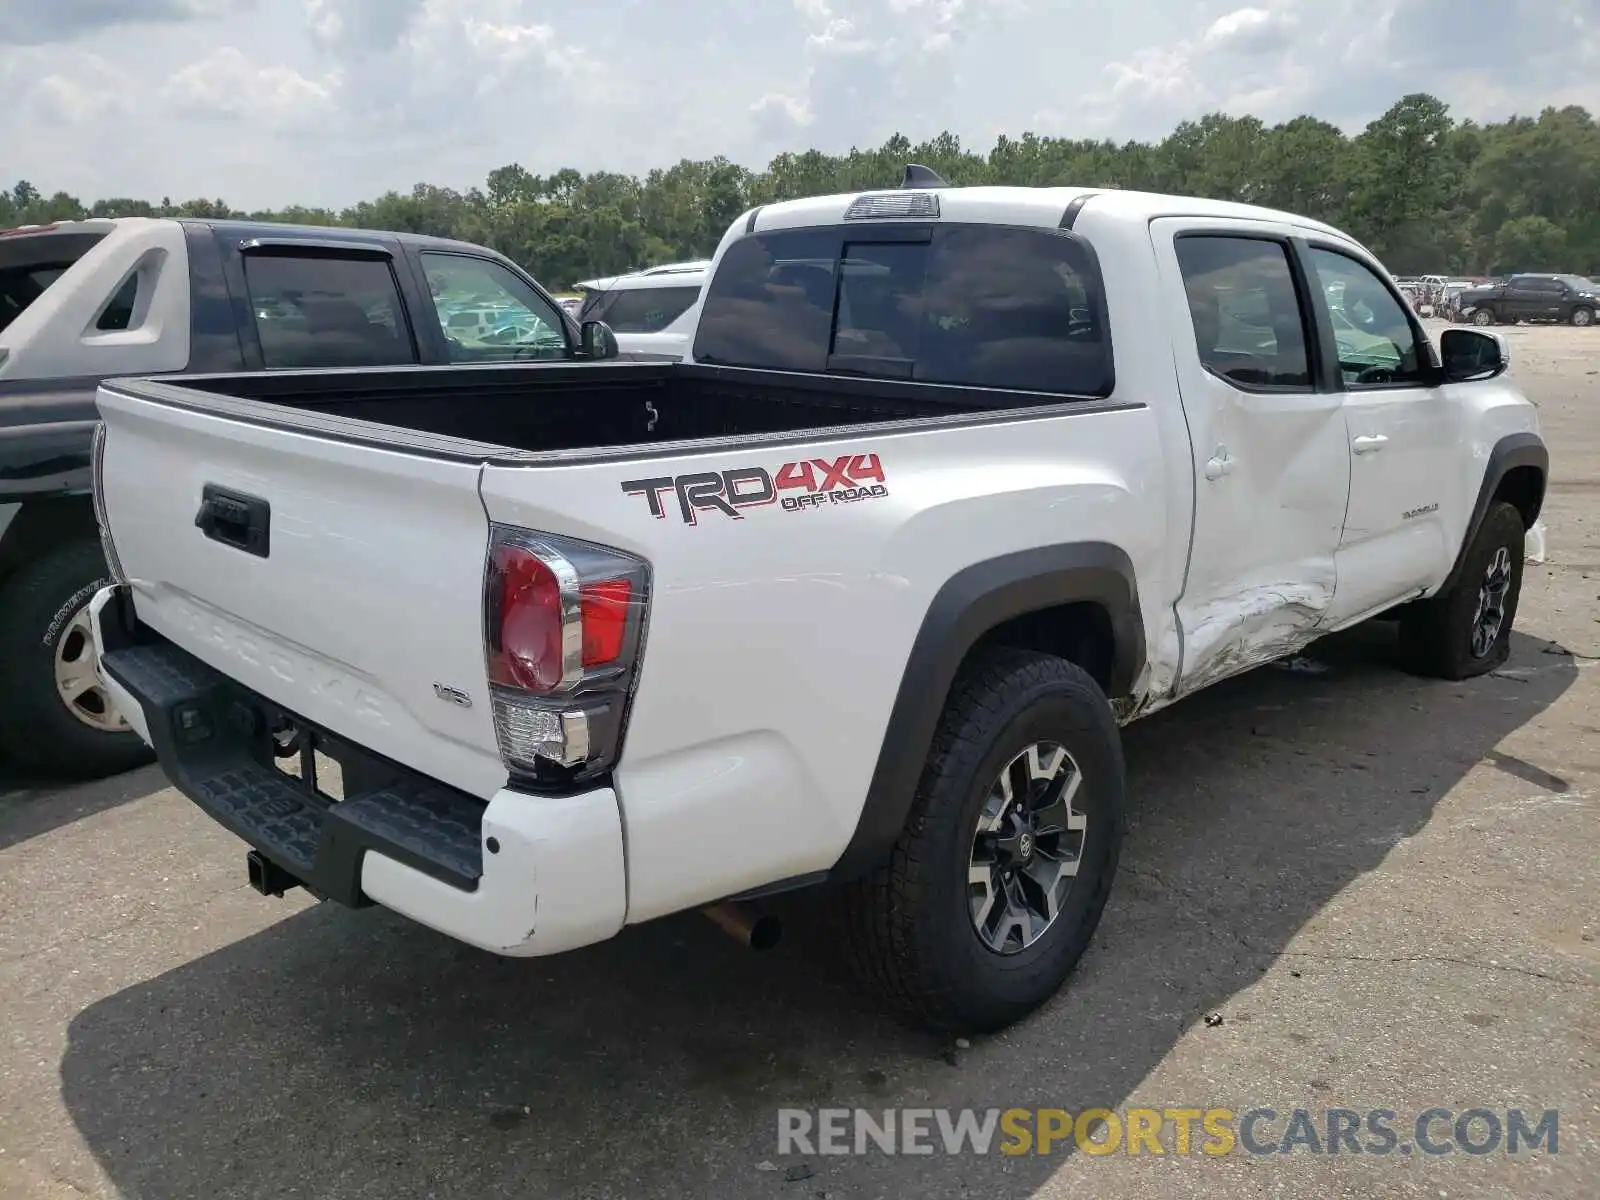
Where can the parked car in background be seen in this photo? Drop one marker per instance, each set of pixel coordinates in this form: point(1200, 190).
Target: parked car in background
point(1432, 293)
point(651, 312)
point(1566, 299)
point(84, 301)
point(1453, 291)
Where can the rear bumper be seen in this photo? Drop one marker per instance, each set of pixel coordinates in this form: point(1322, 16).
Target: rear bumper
point(519, 875)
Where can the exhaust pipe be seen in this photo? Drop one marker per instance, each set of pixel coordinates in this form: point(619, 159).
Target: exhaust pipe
point(748, 926)
point(266, 876)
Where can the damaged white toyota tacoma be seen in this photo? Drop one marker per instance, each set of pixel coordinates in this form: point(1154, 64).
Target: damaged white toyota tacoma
point(950, 485)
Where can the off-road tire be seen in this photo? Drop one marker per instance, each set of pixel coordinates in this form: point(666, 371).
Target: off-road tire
point(1482, 316)
point(1582, 316)
point(1436, 634)
point(908, 931)
point(37, 732)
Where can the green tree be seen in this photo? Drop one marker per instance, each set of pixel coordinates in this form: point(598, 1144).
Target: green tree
point(1529, 243)
point(1426, 192)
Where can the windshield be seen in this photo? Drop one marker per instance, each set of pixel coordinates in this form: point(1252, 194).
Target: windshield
point(1578, 283)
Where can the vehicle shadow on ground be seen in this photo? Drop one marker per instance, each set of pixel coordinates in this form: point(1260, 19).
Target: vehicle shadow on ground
point(356, 1055)
point(32, 806)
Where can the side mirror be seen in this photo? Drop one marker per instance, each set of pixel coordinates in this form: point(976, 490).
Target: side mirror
point(598, 341)
point(1469, 355)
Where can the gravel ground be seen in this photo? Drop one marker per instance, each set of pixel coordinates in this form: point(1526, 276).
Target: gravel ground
point(1343, 888)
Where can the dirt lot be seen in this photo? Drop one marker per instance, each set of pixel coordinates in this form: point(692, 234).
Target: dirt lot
point(1342, 888)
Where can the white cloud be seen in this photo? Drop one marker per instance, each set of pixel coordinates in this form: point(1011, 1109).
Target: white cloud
point(1251, 30)
point(227, 84)
point(331, 101)
point(1348, 62)
point(39, 22)
point(498, 41)
point(80, 92)
point(781, 115)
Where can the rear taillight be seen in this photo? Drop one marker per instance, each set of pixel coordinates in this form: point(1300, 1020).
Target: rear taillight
point(563, 624)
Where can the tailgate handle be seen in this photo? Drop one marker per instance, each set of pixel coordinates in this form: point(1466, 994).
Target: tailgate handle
point(234, 519)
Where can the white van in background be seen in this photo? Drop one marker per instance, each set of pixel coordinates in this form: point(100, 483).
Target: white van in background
point(650, 311)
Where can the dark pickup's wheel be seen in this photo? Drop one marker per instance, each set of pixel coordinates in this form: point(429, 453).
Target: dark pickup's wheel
point(1483, 316)
point(1466, 630)
point(1582, 316)
point(55, 717)
point(999, 878)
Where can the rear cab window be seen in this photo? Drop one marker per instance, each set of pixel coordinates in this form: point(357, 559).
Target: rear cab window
point(322, 310)
point(985, 306)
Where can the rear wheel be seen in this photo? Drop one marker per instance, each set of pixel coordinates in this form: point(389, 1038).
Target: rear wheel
point(1003, 868)
point(55, 717)
point(1466, 630)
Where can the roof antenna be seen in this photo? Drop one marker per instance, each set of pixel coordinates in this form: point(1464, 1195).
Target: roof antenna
point(919, 176)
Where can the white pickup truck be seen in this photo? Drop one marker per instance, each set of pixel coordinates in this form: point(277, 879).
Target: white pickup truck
point(951, 484)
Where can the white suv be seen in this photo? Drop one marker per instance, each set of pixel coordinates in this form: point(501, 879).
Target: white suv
point(650, 311)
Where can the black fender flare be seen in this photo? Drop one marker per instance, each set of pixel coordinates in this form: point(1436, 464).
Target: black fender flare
point(1510, 452)
point(971, 603)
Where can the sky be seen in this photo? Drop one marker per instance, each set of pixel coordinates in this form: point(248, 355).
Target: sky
point(264, 103)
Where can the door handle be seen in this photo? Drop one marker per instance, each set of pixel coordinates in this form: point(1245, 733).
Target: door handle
point(1369, 444)
point(1219, 464)
point(235, 519)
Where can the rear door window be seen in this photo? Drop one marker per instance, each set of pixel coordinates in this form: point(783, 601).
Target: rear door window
point(325, 311)
point(1249, 327)
point(979, 305)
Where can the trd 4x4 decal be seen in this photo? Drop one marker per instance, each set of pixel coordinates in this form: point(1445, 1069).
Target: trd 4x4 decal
point(807, 484)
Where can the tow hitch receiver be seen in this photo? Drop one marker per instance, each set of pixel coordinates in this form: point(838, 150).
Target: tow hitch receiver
point(266, 876)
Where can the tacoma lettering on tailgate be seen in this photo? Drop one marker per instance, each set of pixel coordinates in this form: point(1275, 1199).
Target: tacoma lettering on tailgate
point(808, 484)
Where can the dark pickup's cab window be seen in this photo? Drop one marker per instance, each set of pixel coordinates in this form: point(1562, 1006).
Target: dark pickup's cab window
point(488, 314)
point(319, 311)
point(980, 305)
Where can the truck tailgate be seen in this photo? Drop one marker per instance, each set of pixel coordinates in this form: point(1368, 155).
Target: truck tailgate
point(359, 605)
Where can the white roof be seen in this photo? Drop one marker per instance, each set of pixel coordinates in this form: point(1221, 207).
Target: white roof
point(1037, 206)
point(84, 225)
point(680, 274)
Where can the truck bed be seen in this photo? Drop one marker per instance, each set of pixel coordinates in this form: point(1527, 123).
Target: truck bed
point(536, 409)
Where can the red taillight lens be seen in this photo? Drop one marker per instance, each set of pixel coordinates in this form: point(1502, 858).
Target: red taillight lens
point(564, 622)
point(605, 620)
point(531, 647)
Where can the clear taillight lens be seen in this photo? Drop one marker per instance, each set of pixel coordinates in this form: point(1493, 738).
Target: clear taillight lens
point(563, 627)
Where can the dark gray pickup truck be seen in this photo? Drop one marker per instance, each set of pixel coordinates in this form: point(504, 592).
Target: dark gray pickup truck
point(85, 301)
point(1565, 299)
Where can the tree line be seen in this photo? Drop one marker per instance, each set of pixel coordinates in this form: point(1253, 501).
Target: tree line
point(1427, 192)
